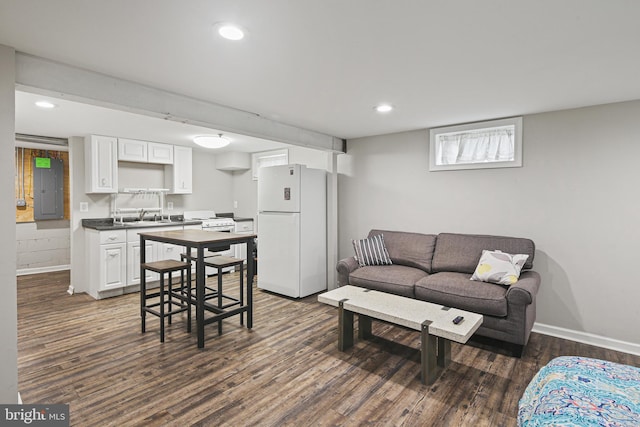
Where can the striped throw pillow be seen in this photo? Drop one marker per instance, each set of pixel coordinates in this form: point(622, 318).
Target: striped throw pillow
point(371, 251)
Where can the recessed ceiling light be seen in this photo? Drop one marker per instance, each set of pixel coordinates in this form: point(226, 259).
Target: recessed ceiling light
point(231, 32)
point(212, 141)
point(383, 108)
point(45, 104)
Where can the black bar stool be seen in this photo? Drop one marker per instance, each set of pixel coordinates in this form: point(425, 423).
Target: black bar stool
point(182, 293)
point(219, 263)
point(208, 291)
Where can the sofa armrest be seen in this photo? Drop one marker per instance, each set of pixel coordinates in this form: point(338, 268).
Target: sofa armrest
point(524, 291)
point(345, 267)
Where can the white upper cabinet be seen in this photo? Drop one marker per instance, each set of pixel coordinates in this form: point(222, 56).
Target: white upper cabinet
point(101, 164)
point(178, 176)
point(160, 153)
point(132, 150)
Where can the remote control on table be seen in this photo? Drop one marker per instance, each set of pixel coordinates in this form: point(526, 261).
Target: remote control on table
point(458, 319)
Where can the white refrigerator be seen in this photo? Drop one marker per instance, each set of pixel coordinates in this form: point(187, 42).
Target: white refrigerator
point(292, 230)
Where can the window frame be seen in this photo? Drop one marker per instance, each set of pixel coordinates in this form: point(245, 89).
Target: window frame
point(255, 159)
point(434, 133)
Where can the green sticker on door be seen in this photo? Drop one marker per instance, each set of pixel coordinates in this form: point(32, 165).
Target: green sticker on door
point(43, 162)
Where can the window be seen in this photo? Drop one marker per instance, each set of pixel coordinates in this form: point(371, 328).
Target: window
point(492, 144)
point(268, 158)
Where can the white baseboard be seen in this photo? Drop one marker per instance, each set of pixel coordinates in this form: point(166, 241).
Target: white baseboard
point(587, 338)
point(37, 270)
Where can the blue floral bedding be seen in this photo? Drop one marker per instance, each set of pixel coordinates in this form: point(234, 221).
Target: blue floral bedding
point(578, 391)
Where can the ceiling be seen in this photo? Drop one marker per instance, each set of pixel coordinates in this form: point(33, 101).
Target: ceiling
point(324, 64)
point(75, 119)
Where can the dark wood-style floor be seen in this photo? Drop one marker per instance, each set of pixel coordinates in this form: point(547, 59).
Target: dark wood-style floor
point(286, 371)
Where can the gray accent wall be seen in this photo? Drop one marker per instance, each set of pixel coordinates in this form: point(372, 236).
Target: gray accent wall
point(576, 196)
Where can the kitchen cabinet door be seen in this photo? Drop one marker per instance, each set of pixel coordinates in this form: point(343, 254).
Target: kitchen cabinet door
point(242, 227)
point(113, 267)
point(132, 150)
point(178, 176)
point(101, 164)
point(169, 251)
point(241, 251)
point(160, 153)
point(133, 262)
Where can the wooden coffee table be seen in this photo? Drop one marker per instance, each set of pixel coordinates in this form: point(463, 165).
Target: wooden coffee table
point(435, 322)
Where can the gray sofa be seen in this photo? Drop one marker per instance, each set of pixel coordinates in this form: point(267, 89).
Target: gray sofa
point(438, 269)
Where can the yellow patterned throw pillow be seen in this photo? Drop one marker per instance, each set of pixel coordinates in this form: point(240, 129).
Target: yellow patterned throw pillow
point(499, 267)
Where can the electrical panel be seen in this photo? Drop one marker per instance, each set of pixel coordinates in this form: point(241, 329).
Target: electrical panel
point(48, 188)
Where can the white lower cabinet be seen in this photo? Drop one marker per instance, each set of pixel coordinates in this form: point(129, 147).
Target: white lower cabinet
point(113, 267)
point(242, 227)
point(107, 261)
point(169, 251)
point(114, 259)
point(133, 261)
point(154, 251)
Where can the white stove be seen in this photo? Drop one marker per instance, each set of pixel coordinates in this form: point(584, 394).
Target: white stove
point(210, 222)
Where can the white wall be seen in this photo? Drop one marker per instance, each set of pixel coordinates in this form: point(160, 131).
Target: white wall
point(8, 302)
point(245, 189)
point(99, 206)
point(245, 193)
point(140, 175)
point(211, 190)
point(42, 246)
point(211, 187)
point(575, 196)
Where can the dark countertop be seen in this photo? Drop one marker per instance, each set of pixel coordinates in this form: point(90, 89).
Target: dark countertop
point(231, 215)
point(241, 219)
point(105, 224)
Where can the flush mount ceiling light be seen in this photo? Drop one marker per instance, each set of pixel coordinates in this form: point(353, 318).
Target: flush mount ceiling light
point(212, 141)
point(45, 104)
point(383, 108)
point(230, 32)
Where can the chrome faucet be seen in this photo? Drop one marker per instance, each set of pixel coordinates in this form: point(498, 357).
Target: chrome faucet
point(142, 212)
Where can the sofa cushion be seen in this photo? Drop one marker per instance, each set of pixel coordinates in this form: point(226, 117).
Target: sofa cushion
point(371, 251)
point(499, 267)
point(395, 279)
point(456, 290)
point(461, 252)
point(410, 249)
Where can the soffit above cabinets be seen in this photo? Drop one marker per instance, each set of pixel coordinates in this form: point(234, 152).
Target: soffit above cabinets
point(233, 161)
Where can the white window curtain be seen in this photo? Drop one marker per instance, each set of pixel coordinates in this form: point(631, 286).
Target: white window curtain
point(274, 160)
point(268, 158)
point(477, 146)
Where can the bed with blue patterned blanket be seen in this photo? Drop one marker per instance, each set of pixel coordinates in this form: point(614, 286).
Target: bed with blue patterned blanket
point(578, 391)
